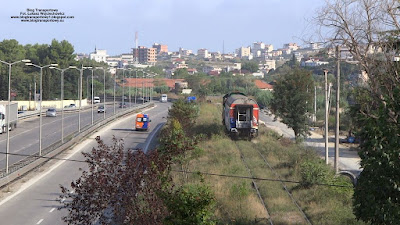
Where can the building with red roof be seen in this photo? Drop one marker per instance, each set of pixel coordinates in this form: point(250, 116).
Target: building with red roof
point(260, 84)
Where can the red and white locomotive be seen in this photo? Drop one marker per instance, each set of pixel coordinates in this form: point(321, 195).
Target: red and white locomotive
point(240, 115)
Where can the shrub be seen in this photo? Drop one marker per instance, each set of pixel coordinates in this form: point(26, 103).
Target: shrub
point(313, 173)
point(190, 204)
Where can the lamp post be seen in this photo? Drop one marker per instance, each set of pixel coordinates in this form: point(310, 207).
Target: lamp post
point(80, 93)
point(41, 98)
point(115, 76)
point(92, 96)
point(104, 89)
point(9, 103)
point(135, 86)
point(123, 86)
point(62, 99)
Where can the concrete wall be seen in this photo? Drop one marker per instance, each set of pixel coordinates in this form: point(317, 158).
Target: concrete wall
point(30, 105)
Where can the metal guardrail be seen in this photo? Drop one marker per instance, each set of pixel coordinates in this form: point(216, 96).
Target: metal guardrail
point(20, 168)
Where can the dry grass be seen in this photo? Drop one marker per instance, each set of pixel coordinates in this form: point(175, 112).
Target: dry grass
point(237, 202)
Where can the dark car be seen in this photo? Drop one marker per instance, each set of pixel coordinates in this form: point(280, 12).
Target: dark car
point(122, 105)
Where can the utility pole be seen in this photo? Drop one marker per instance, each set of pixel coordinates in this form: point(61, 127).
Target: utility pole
point(337, 110)
point(326, 117)
point(315, 105)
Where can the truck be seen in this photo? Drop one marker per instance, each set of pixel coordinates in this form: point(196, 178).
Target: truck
point(13, 116)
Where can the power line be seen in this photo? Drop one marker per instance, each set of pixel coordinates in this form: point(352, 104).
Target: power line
point(182, 171)
point(43, 157)
point(258, 178)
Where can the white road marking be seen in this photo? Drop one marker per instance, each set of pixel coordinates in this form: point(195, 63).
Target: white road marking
point(40, 221)
point(77, 148)
point(52, 209)
point(151, 138)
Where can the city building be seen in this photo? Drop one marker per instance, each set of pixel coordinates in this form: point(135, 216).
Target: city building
point(80, 56)
point(185, 52)
point(161, 49)
point(243, 52)
point(203, 53)
point(291, 46)
point(144, 55)
point(99, 55)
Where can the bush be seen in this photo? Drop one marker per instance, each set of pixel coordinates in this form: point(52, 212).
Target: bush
point(190, 204)
point(313, 173)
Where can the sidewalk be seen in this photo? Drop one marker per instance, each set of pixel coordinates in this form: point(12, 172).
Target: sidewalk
point(348, 159)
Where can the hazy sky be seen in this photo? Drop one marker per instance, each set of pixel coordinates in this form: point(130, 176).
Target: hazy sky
point(191, 24)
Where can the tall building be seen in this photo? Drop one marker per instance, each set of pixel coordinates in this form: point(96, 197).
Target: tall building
point(99, 55)
point(258, 49)
point(243, 52)
point(203, 53)
point(144, 55)
point(160, 48)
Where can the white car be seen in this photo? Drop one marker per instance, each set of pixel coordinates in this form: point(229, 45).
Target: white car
point(163, 98)
point(51, 112)
point(96, 100)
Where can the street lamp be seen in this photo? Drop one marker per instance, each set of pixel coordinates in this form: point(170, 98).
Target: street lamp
point(62, 99)
point(80, 93)
point(104, 89)
point(123, 86)
point(9, 103)
point(41, 98)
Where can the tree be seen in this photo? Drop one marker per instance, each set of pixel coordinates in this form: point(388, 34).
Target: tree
point(120, 187)
point(184, 112)
point(292, 100)
point(250, 66)
point(369, 30)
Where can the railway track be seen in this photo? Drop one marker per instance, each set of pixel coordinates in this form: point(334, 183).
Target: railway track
point(243, 158)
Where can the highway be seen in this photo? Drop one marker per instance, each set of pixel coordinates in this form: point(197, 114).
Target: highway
point(25, 138)
point(34, 202)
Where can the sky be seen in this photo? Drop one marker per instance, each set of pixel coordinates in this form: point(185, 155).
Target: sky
point(190, 24)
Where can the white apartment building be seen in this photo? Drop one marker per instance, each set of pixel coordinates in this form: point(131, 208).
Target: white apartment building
point(99, 55)
point(203, 53)
point(244, 52)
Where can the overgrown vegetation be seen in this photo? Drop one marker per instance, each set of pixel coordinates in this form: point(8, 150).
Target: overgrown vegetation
point(236, 200)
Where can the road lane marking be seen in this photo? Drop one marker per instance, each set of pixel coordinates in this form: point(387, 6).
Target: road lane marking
point(40, 221)
point(76, 149)
point(152, 136)
point(26, 185)
point(52, 210)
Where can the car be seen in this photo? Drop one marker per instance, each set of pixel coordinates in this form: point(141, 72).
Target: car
point(122, 105)
point(51, 112)
point(70, 106)
point(164, 98)
point(96, 99)
point(142, 122)
point(101, 109)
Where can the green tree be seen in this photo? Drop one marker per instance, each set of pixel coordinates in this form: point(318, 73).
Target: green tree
point(250, 66)
point(292, 100)
point(377, 194)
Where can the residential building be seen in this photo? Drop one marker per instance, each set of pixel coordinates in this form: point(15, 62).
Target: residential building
point(185, 52)
point(258, 49)
point(80, 56)
point(203, 53)
point(144, 55)
point(243, 52)
point(262, 85)
point(99, 55)
point(161, 49)
point(313, 62)
point(291, 46)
